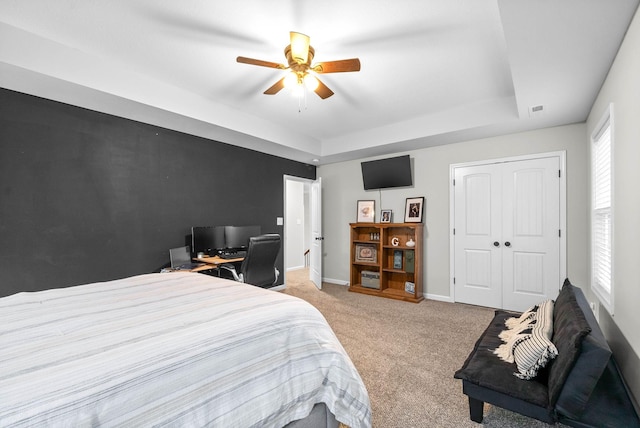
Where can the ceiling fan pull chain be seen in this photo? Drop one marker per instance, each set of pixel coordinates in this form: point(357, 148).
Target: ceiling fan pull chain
point(302, 100)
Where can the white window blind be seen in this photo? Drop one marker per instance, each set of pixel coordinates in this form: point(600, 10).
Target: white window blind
point(602, 212)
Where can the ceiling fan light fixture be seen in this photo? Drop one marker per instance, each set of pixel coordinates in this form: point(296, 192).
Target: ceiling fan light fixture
point(302, 74)
point(311, 82)
point(299, 47)
point(297, 91)
point(291, 80)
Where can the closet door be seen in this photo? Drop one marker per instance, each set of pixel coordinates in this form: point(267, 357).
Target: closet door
point(478, 258)
point(530, 232)
point(506, 242)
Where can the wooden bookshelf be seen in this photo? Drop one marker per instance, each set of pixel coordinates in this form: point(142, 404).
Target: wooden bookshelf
point(383, 264)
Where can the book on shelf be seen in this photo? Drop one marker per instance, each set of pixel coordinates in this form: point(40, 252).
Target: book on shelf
point(409, 261)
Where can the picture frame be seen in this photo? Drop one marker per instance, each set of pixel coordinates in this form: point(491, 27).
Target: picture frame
point(366, 253)
point(414, 209)
point(397, 259)
point(366, 211)
point(409, 287)
point(386, 216)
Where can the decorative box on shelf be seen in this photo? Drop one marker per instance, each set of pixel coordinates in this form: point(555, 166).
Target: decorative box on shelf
point(370, 279)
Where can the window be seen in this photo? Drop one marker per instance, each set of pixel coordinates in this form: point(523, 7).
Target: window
point(602, 210)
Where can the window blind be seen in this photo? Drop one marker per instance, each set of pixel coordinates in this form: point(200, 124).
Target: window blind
point(601, 215)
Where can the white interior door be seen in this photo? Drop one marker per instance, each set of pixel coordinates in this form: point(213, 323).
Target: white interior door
point(506, 242)
point(478, 262)
point(530, 232)
point(315, 259)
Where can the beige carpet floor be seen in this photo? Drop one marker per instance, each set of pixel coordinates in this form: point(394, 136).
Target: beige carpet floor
point(407, 354)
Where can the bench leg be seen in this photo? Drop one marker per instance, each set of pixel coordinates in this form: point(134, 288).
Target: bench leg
point(476, 408)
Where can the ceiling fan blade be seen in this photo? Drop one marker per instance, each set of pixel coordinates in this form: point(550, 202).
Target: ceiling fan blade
point(323, 90)
point(339, 66)
point(275, 88)
point(259, 62)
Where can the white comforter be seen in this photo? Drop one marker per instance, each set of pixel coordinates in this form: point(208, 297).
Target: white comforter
point(173, 349)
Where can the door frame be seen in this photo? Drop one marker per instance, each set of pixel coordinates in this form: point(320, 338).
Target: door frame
point(306, 182)
point(562, 154)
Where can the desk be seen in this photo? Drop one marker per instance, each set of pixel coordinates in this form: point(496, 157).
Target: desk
point(216, 260)
point(208, 263)
point(213, 263)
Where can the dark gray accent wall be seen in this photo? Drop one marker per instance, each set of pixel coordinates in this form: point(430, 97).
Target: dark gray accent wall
point(86, 196)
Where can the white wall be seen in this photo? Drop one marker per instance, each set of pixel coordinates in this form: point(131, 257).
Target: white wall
point(342, 188)
point(622, 88)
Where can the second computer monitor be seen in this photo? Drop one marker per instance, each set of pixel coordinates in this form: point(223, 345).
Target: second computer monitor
point(238, 236)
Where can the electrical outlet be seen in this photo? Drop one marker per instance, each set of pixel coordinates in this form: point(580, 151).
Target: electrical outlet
point(595, 309)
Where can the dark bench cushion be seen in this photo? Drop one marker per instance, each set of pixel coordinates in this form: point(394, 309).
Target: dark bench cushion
point(485, 369)
point(583, 353)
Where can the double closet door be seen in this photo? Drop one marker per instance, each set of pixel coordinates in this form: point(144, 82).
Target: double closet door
point(507, 233)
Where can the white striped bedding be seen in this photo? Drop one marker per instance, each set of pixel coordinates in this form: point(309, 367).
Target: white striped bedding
point(171, 349)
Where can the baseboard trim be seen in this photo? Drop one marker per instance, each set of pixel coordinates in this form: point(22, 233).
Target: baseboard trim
point(335, 281)
point(439, 297)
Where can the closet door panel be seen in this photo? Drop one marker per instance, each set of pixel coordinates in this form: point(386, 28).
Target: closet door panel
point(530, 231)
point(478, 267)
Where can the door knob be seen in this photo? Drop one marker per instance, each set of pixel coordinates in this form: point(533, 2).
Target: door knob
point(496, 244)
point(507, 244)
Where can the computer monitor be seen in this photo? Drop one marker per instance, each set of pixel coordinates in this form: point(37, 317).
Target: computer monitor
point(207, 239)
point(238, 236)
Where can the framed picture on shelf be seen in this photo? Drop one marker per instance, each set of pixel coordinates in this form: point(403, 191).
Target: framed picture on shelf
point(366, 253)
point(409, 287)
point(397, 259)
point(366, 211)
point(413, 210)
point(386, 216)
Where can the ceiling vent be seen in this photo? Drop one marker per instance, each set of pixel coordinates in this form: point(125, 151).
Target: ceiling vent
point(536, 111)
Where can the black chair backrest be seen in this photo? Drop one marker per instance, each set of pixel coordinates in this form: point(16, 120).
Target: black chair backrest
point(258, 267)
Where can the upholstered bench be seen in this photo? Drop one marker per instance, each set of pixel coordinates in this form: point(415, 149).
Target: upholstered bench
point(580, 387)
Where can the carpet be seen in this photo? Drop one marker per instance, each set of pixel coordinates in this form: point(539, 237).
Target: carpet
point(407, 354)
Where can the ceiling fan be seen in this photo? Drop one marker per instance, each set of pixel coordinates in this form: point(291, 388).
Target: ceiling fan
point(299, 55)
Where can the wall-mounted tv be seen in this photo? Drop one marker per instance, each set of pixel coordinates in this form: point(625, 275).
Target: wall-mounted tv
point(384, 173)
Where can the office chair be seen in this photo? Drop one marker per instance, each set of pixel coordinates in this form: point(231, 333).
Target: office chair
point(259, 265)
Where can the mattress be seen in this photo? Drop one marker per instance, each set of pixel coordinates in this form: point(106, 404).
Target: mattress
point(171, 349)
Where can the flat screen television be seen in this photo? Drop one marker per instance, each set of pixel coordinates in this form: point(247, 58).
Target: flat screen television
point(385, 173)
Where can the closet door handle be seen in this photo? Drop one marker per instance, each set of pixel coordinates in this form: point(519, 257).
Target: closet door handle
point(507, 244)
point(496, 244)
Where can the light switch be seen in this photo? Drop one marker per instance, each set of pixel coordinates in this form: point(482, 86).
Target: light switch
point(279, 221)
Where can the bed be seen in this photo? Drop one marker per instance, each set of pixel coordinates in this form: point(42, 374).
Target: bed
point(171, 349)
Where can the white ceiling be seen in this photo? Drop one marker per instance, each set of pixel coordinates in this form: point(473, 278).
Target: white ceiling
point(433, 71)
